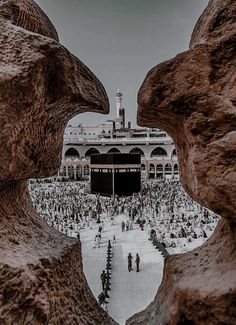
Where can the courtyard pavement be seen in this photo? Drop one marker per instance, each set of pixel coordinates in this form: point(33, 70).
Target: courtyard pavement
point(130, 291)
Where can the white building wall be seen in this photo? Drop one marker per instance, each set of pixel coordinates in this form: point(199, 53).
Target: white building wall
point(84, 138)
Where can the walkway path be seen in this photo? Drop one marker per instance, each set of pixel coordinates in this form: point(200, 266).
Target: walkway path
point(130, 291)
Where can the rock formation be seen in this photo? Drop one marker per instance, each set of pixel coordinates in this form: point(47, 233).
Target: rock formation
point(42, 86)
point(193, 98)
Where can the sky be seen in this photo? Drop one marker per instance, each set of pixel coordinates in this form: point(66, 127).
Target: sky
point(120, 41)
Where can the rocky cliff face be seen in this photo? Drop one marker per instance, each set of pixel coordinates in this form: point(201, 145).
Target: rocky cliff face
point(193, 98)
point(42, 86)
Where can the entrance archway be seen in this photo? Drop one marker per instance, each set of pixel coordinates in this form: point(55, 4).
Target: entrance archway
point(72, 153)
point(158, 152)
point(137, 150)
point(90, 152)
point(113, 150)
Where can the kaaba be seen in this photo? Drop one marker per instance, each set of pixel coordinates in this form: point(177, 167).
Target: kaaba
point(115, 174)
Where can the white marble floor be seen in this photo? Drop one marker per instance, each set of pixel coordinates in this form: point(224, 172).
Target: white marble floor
point(130, 291)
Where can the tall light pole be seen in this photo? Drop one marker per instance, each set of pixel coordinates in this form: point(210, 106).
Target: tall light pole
point(113, 181)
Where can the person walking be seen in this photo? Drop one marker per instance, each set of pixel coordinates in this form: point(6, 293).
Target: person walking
point(137, 261)
point(99, 238)
point(130, 262)
point(103, 278)
point(97, 241)
point(123, 226)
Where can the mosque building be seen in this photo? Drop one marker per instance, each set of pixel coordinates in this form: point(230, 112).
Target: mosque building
point(157, 150)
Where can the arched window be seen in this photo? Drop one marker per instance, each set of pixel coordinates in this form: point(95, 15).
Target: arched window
point(86, 170)
point(176, 168)
point(151, 173)
point(137, 150)
point(159, 168)
point(71, 172)
point(168, 169)
point(78, 171)
point(159, 171)
point(151, 168)
point(90, 152)
point(158, 152)
point(143, 167)
point(174, 152)
point(113, 150)
point(72, 153)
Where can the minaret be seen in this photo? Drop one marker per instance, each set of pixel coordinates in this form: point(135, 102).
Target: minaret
point(120, 111)
point(118, 103)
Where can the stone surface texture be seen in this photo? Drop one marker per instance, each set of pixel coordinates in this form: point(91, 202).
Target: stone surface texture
point(42, 86)
point(193, 98)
